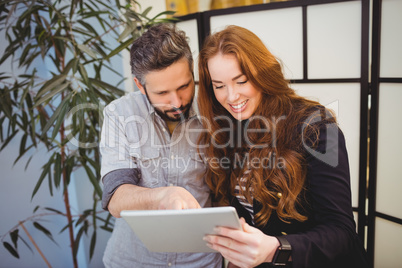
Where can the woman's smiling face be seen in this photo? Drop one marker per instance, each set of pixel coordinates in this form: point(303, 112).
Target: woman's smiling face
point(232, 88)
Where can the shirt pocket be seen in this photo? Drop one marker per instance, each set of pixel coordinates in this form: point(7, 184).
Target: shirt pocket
point(196, 169)
point(148, 161)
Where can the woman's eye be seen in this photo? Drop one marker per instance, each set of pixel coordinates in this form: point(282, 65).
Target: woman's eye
point(243, 82)
point(218, 87)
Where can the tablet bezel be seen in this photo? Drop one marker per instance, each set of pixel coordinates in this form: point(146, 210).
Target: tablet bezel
point(179, 230)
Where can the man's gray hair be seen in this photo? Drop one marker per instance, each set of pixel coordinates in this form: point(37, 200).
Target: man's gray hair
point(158, 48)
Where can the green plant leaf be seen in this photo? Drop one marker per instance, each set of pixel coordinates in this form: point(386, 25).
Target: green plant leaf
point(23, 153)
point(44, 230)
point(67, 226)
point(25, 242)
point(57, 115)
point(54, 210)
point(23, 143)
point(14, 237)
point(88, 26)
point(93, 180)
point(87, 50)
point(120, 48)
point(146, 11)
point(70, 65)
point(9, 52)
point(168, 12)
point(126, 32)
point(77, 240)
point(56, 90)
point(108, 229)
point(83, 217)
point(11, 249)
point(84, 74)
point(92, 246)
point(105, 85)
point(29, 161)
point(9, 138)
point(46, 170)
point(49, 176)
point(6, 104)
point(49, 85)
point(57, 167)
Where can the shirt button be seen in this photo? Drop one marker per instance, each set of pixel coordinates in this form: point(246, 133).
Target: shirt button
point(169, 264)
point(172, 156)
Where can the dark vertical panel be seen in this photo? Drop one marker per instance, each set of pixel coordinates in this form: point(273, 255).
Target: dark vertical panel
point(375, 73)
point(305, 63)
point(201, 30)
point(362, 221)
point(207, 25)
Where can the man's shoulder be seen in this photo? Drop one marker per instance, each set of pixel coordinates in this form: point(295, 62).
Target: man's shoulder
point(131, 103)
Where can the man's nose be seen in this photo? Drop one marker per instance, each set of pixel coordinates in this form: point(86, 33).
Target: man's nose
point(175, 100)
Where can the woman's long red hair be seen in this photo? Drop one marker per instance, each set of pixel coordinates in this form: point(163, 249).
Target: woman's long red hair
point(281, 111)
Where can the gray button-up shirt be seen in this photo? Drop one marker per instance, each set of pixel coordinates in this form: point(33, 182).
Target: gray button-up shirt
point(137, 148)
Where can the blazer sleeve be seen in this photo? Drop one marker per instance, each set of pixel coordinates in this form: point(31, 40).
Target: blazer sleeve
point(333, 234)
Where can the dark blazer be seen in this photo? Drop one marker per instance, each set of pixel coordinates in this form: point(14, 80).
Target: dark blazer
point(328, 238)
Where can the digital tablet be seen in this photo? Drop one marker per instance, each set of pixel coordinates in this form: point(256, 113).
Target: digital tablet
point(179, 230)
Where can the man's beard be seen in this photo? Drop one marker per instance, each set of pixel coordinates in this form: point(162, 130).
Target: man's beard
point(184, 111)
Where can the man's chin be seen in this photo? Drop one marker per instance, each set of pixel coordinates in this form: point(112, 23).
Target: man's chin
point(174, 117)
point(177, 117)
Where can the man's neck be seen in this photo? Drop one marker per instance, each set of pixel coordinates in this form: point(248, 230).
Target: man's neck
point(171, 125)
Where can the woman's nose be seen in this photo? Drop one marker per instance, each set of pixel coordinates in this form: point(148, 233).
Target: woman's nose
point(233, 95)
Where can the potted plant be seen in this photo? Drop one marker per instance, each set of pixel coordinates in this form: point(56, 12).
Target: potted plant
point(77, 41)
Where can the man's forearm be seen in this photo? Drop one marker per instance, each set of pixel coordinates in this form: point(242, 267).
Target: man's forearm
point(133, 197)
point(116, 178)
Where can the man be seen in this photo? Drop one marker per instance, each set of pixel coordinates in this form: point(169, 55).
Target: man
point(148, 147)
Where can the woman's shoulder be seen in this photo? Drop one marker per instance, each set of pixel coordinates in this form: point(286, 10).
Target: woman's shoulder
point(313, 123)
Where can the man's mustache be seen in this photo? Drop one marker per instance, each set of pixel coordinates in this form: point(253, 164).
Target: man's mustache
point(181, 109)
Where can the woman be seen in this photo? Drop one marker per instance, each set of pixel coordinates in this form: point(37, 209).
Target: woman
point(278, 158)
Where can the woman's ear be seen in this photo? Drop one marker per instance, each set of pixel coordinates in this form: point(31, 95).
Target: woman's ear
point(139, 85)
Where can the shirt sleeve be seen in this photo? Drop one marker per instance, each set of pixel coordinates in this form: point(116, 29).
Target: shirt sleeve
point(328, 186)
point(114, 179)
point(117, 166)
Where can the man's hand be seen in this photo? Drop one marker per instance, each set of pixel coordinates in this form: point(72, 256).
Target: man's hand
point(175, 197)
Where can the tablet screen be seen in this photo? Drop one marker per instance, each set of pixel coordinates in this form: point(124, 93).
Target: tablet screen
point(179, 230)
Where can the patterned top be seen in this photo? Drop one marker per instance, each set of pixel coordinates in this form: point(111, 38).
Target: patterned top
point(239, 189)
